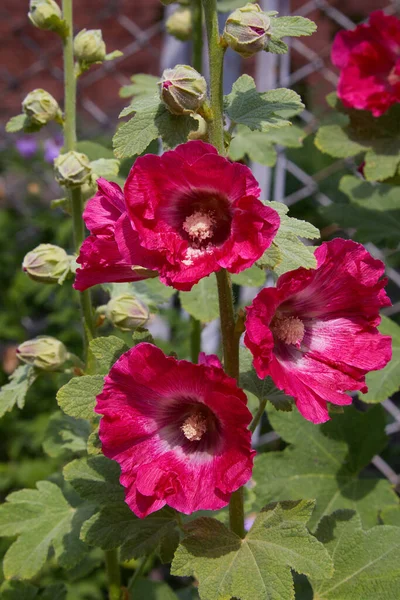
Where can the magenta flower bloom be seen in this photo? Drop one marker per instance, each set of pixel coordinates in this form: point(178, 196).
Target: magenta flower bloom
point(178, 431)
point(369, 61)
point(99, 257)
point(195, 212)
point(185, 214)
point(316, 333)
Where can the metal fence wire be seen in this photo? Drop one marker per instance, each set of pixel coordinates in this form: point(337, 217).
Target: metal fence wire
point(31, 58)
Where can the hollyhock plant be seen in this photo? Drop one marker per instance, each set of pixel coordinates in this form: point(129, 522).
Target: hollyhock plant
point(316, 333)
point(369, 61)
point(177, 429)
point(100, 259)
point(189, 213)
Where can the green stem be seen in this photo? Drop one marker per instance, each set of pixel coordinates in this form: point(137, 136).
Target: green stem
point(230, 342)
point(113, 575)
point(195, 339)
point(75, 194)
point(216, 57)
point(138, 572)
point(258, 415)
point(197, 36)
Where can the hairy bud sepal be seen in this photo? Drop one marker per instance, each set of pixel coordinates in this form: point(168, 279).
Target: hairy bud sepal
point(40, 107)
point(47, 15)
point(72, 169)
point(126, 312)
point(247, 30)
point(45, 353)
point(182, 89)
point(47, 264)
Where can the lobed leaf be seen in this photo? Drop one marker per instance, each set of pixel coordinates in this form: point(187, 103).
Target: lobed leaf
point(292, 26)
point(142, 85)
point(258, 566)
point(106, 351)
point(65, 436)
point(202, 300)
point(78, 397)
point(13, 393)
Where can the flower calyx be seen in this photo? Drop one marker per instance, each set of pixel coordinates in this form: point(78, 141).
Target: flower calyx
point(47, 15)
point(45, 353)
point(72, 169)
point(247, 30)
point(182, 89)
point(47, 264)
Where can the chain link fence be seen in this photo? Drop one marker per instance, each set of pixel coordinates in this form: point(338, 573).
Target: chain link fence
point(32, 58)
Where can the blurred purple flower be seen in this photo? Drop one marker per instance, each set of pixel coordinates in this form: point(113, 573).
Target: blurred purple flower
point(26, 146)
point(52, 147)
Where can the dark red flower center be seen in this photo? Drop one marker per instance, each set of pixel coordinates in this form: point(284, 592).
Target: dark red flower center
point(288, 329)
point(191, 425)
point(202, 217)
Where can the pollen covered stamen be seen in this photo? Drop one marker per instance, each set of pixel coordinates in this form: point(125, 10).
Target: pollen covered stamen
point(199, 226)
point(194, 427)
point(288, 329)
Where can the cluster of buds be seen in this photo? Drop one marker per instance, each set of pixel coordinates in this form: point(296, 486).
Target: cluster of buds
point(45, 353)
point(248, 30)
point(47, 264)
point(125, 312)
point(46, 14)
point(72, 169)
point(40, 107)
point(182, 89)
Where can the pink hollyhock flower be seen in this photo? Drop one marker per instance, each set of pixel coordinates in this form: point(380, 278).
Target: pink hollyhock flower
point(315, 333)
point(178, 431)
point(99, 257)
point(369, 60)
point(195, 212)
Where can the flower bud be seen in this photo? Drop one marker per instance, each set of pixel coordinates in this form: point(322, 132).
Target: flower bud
point(41, 107)
point(47, 264)
point(89, 46)
point(44, 353)
point(247, 30)
point(201, 131)
point(46, 14)
point(182, 89)
point(72, 169)
point(126, 312)
point(179, 24)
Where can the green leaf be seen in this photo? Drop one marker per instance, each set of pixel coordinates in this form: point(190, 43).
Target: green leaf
point(228, 5)
point(382, 384)
point(16, 123)
point(113, 55)
point(391, 515)
point(252, 277)
point(360, 132)
point(292, 26)
point(261, 111)
point(324, 462)
point(276, 46)
point(43, 519)
point(54, 591)
point(142, 85)
point(14, 392)
point(367, 563)
point(96, 479)
point(288, 252)
point(202, 300)
point(105, 167)
point(93, 150)
point(254, 144)
point(150, 291)
point(106, 351)
point(151, 120)
point(18, 590)
point(151, 590)
point(259, 566)
point(78, 397)
point(263, 389)
point(65, 436)
point(117, 526)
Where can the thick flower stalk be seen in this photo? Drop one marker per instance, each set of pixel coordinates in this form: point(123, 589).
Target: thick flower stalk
point(178, 431)
point(185, 214)
point(316, 333)
point(369, 61)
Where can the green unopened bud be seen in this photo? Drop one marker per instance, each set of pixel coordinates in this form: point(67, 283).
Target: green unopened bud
point(41, 107)
point(180, 24)
point(182, 89)
point(201, 131)
point(89, 46)
point(247, 30)
point(47, 264)
point(44, 353)
point(72, 169)
point(46, 14)
point(126, 312)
